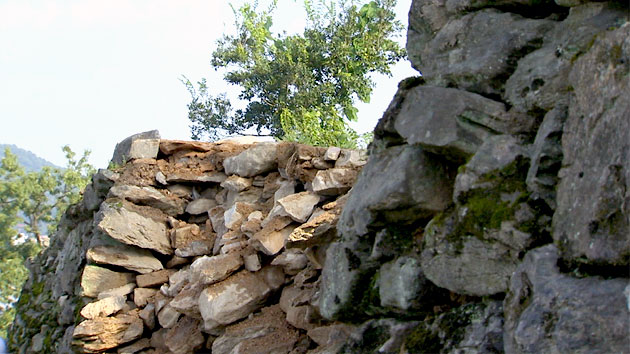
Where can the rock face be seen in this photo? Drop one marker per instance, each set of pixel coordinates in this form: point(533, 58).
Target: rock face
point(491, 215)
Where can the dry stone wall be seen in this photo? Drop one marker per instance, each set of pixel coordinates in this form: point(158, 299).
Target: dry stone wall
point(186, 247)
point(491, 216)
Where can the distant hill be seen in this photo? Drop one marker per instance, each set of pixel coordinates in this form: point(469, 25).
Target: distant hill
point(27, 159)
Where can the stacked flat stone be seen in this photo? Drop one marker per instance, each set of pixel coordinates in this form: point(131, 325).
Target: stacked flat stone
point(187, 240)
point(198, 245)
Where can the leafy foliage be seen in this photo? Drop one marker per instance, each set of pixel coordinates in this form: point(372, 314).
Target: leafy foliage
point(299, 87)
point(31, 198)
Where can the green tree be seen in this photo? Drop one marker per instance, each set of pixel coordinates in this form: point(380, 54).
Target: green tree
point(34, 199)
point(299, 87)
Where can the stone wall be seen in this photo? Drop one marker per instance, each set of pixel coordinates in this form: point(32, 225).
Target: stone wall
point(491, 216)
point(185, 247)
point(505, 226)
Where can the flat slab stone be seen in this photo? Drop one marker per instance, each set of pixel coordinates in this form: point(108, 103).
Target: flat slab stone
point(106, 333)
point(148, 196)
point(133, 258)
point(271, 241)
point(138, 146)
point(254, 161)
point(209, 270)
point(97, 279)
point(299, 206)
point(104, 307)
point(206, 177)
point(155, 278)
point(238, 296)
point(185, 337)
point(119, 291)
point(200, 206)
point(334, 181)
point(132, 228)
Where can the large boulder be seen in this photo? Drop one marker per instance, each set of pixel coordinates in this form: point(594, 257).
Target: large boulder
point(592, 222)
point(550, 312)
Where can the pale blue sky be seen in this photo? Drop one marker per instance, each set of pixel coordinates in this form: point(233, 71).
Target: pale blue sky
point(89, 73)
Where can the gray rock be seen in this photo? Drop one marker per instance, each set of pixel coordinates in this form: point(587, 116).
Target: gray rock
point(454, 123)
point(147, 315)
point(592, 223)
point(119, 291)
point(271, 241)
point(142, 296)
point(106, 333)
point(351, 159)
point(252, 195)
point(200, 206)
point(471, 328)
point(103, 308)
point(95, 280)
point(291, 260)
point(209, 270)
point(133, 258)
point(547, 311)
point(390, 338)
point(154, 278)
point(484, 334)
point(299, 206)
point(236, 183)
point(238, 296)
point(196, 248)
point(402, 285)
point(91, 200)
point(132, 228)
point(343, 281)
point(496, 154)
point(206, 177)
point(541, 78)
point(185, 337)
point(420, 187)
point(161, 178)
point(216, 215)
point(168, 316)
point(256, 160)
point(186, 300)
point(95, 192)
point(332, 153)
point(468, 52)
point(135, 347)
point(467, 265)
point(334, 181)
point(268, 329)
point(148, 196)
point(546, 157)
point(71, 258)
point(180, 190)
point(138, 146)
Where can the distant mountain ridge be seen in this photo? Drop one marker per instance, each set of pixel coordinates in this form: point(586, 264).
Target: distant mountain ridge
point(27, 159)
